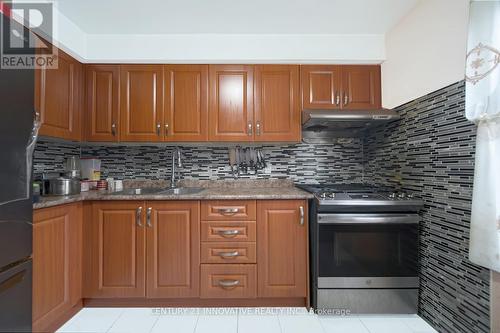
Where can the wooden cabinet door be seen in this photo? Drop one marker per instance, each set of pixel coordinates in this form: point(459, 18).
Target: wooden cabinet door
point(173, 254)
point(361, 87)
point(231, 103)
point(321, 86)
point(57, 241)
point(277, 103)
point(102, 102)
point(282, 248)
point(186, 103)
point(58, 98)
point(141, 103)
point(115, 261)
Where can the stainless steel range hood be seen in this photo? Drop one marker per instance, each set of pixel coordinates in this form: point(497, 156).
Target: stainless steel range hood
point(342, 123)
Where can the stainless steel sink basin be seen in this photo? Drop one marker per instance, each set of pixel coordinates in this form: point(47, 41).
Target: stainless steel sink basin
point(139, 191)
point(182, 190)
point(161, 191)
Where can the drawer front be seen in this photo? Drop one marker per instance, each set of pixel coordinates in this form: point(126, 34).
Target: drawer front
point(224, 210)
point(228, 281)
point(217, 231)
point(228, 253)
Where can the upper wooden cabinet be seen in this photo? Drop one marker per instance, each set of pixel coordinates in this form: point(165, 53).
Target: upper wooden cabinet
point(141, 103)
point(277, 103)
point(321, 87)
point(102, 102)
point(282, 248)
point(58, 98)
point(349, 87)
point(115, 253)
point(173, 249)
point(57, 246)
point(361, 87)
point(231, 103)
point(186, 103)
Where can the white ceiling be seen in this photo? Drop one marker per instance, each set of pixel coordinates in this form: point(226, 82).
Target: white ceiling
point(235, 16)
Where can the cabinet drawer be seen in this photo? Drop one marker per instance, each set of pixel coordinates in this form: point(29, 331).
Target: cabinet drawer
point(228, 253)
point(216, 231)
point(228, 281)
point(223, 210)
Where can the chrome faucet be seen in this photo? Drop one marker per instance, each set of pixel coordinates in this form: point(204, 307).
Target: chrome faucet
point(176, 163)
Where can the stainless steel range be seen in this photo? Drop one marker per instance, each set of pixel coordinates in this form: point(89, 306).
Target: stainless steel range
point(364, 249)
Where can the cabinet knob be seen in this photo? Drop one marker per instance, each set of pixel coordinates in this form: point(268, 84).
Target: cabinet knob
point(228, 255)
point(250, 129)
point(337, 99)
point(228, 233)
point(158, 129)
point(346, 99)
point(166, 129)
point(228, 211)
point(257, 128)
point(113, 129)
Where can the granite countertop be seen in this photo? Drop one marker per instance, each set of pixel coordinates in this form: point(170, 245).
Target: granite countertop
point(212, 190)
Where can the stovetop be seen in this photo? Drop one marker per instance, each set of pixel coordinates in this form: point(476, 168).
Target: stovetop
point(361, 195)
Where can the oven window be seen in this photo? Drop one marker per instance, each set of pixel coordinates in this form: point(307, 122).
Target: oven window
point(368, 250)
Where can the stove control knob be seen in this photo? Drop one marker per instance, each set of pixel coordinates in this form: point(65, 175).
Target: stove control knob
point(392, 195)
point(331, 195)
point(409, 196)
point(401, 195)
point(323, 195)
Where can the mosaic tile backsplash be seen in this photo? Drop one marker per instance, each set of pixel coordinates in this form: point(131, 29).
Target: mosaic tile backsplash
point(341, 161)
point(430, 151)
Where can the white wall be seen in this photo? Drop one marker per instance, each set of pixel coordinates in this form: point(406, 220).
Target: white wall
point(425, 51)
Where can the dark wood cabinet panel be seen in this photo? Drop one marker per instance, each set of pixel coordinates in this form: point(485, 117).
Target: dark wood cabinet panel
point(115, 260)
point(231, 103)
point(282, 248)
point(173, 249)
point(57, 269)
point(58, 98)
point(186, 103)
point(361, 87)
point(102, 102)
point(141, 103)
point(321, 86)
point(277, 103)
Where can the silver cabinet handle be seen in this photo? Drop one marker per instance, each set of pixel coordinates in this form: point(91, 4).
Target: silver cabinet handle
point(138, 213)
point(257, 128)
point(158, 129)
point(346, 99)
point(301, 210)
point(228, 283)
point(166, 129)
point(227, 255)
point(228, 233)
point(228, 211)
point(113, 129)
point(337, 99)
point(148, 217)
point(250, 131)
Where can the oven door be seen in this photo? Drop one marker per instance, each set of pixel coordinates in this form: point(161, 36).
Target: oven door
point(368, 250)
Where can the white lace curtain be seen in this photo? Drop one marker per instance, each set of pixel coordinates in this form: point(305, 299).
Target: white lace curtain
point(483, 108)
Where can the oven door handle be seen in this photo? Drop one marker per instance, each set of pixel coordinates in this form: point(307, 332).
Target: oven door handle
point(368, 219)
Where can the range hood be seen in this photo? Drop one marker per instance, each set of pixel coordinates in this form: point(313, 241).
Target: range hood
point(342, 123)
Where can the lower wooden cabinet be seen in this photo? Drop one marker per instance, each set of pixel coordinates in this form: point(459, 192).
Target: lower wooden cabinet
point(282, 248)
point(115, 254)
point(173, 249)
point(57, 269)
point(176, 251)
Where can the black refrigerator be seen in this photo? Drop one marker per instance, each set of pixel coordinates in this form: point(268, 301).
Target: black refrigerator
point(18, 133)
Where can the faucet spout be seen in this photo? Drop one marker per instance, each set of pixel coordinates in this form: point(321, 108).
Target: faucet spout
point(176, 164)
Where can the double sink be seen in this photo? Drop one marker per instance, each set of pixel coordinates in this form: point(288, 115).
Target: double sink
point(159, 191)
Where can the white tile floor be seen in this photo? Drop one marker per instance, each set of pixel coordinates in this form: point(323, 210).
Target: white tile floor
point(233, 320)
